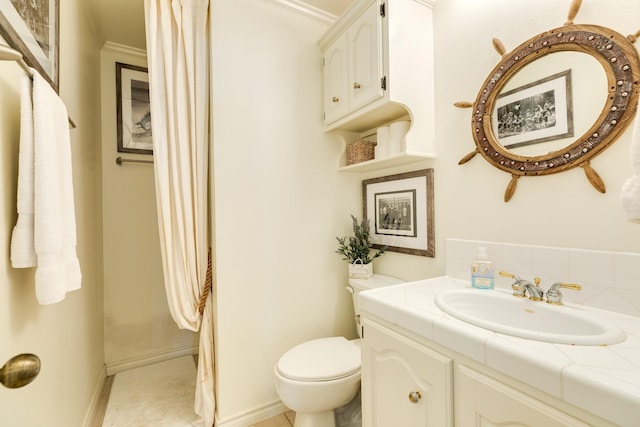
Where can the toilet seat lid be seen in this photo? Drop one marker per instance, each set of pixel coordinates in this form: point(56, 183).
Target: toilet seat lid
point(321, 359)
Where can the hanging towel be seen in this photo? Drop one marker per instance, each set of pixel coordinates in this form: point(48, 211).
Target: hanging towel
point(630, 193)
point(23, 254)
point(51, 196)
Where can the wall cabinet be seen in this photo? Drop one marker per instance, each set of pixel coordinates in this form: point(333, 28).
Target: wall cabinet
point(352, 71)
point(377, 69)
point(406, 384)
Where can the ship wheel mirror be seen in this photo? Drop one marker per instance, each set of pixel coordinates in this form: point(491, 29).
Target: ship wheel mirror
point(556, 101)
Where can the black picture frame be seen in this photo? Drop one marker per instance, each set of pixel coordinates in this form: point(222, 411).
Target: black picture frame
point(133, 109)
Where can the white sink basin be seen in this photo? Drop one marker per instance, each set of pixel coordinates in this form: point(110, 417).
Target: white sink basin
point(503, 313)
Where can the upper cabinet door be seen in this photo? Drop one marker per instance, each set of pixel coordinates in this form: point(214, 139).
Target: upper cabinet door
point(336, 103)
point(365, 68)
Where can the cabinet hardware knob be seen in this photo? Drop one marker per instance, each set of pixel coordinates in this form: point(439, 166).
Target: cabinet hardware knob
point(335, 99)
point(356, 85)
point(414, 397)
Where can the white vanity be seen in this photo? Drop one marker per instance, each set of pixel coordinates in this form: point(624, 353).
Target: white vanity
point(422, 367)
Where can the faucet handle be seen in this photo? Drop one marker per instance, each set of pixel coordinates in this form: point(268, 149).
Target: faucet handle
point(554, 296)
point(518, 289)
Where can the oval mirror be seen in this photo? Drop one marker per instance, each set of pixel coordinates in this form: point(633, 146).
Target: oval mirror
point(556, 101)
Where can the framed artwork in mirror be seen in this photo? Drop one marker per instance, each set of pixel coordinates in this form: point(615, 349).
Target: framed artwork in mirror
point(400, 210)
point(133, 109)
point(538, 112)
point(32, 28)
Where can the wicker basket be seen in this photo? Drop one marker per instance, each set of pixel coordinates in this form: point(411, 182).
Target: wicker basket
point(360, 151)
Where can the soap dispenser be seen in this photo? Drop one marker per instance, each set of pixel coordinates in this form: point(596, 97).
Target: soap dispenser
point(482, 270)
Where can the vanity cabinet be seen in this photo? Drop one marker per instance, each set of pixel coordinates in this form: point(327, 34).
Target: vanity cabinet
point(484, 401)
point(410, 381)
point(377, 69)
point(403, 383)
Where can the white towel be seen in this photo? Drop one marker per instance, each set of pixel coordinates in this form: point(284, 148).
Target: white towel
point(54, 224)
point(630, 192)
point(23, 254)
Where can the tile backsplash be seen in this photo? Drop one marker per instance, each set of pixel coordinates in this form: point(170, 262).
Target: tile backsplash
point(610, 280)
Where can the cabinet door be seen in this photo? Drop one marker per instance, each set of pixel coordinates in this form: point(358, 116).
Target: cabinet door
point(335, 74)
point(482, 401)
point(364, 50)
point(403, 383)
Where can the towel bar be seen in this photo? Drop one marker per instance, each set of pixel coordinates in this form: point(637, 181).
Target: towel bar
point(8, 54)
point(120, 161)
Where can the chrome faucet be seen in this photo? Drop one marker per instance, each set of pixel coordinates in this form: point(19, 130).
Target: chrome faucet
point(554, 296)
point(536, 293)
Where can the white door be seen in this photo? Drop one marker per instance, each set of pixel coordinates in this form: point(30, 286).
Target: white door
point(365, 66)
point(485, 402)
point(335, 74)
point(403, 383)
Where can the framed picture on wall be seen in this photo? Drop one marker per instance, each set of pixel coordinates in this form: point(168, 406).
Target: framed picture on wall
point(133, 109)
point(32, 28)
point(400, 211)
point(537, 112)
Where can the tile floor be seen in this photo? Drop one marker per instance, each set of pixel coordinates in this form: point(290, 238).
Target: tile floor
point(286, 419)
point(283, 420)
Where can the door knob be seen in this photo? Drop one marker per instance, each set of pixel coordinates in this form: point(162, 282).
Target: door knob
point(335, 99)
point(356, 85)
point(20, 370)
point(415, 396)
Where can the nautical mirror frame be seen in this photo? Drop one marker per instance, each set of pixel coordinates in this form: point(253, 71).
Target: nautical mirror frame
point(621, 64)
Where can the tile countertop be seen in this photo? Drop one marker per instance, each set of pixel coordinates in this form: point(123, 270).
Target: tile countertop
point(604, 380)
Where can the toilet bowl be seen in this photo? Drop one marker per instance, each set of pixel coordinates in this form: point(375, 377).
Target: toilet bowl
point(318, 376)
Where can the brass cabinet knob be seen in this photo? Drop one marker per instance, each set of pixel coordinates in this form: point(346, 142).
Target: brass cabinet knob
point(356, 85)
point(414, 397)
point(335, 99)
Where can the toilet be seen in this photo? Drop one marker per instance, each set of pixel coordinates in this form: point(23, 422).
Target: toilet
point(318, 376)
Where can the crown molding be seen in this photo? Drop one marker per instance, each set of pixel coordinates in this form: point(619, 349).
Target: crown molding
point(296, 6)
point(120, 48)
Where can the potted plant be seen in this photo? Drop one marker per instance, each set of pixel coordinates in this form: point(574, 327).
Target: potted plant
point(356, 250)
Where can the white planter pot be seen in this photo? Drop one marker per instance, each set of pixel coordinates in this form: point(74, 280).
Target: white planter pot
point(358, 270)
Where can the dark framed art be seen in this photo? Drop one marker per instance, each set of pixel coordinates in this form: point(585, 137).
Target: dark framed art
point(32, 28)
point(400, 210)
point(133, 109)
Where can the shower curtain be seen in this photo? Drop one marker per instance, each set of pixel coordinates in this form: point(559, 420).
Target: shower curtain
point(177, 33)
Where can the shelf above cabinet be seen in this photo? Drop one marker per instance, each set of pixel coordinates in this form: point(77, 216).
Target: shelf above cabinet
point(388, 162)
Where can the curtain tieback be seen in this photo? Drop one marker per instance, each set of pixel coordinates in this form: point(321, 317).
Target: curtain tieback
point(207, 284)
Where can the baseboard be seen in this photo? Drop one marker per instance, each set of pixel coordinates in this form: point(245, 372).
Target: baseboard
point(253, 416)
point(148, 359)
point(97, 404)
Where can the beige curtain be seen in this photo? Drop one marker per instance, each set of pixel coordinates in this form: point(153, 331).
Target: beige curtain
point(178, 57)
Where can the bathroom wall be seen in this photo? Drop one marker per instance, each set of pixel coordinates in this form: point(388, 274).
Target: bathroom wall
point(561, 210)
point(279, 202)
point(138, 328)
point(67, 336)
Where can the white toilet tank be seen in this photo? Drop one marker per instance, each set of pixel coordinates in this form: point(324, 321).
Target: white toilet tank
point(358, 285)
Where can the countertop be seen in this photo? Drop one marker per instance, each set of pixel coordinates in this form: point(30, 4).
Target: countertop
point(604, 380)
